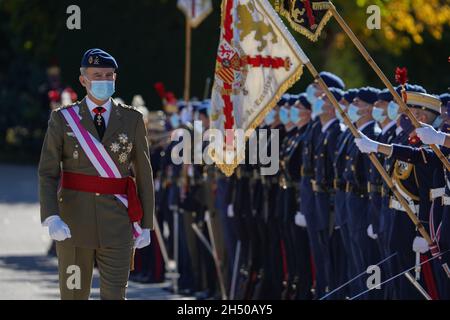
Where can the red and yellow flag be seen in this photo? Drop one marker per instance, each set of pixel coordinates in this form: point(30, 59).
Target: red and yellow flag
point(257, 61)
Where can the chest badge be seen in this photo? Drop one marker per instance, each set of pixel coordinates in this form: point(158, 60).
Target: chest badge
point(122, 147)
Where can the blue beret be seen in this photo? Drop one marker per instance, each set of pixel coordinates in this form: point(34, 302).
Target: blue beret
point(332, 80)
point(304, 101)
point(445, 98)
point(368, 94)
point(337, 93)
point(98, 58)
point(350, 95)
point(385, 95)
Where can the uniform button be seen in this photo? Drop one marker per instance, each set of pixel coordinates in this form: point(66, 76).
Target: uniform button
point(97, 194)
point(60, 199)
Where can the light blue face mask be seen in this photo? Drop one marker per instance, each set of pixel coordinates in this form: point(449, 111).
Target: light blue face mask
point(175, 120)
point(294, 114)
point(392, 110)
point(377, 114)
point(102, 90)
point(317, 108)
point(338, 114)
point(311, 94)
point(353, 113)
point(270, 118)
point(284, 115)
point(437, 122)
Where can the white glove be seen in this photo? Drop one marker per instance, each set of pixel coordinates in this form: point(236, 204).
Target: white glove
point(366, 145)
point(57, 229)
point(429, 135)
point(371, 234)
point(300, 219)
point(230, 211)
point(420, 245)
point(143, 240)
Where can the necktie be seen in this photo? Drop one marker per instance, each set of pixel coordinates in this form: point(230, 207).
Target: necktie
point(99, 121)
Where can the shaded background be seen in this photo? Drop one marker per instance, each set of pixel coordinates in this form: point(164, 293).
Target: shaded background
point(147, 39)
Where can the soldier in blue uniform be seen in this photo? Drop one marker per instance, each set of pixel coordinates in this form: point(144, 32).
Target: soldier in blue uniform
point(378, 228)
point(342, 262)
point(356, 177)
point(307, 199)
point(414, 182)
point(322, 184)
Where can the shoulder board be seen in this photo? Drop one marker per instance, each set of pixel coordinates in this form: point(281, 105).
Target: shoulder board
point(127, 107)
point(68, 106)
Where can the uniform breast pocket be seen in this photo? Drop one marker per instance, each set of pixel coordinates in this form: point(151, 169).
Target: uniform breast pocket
point(72, 150)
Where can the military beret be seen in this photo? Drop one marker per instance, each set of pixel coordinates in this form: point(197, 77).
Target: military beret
point(332, 80)
point(304, 101)
point(368, 94)
point(337, 93)
point(385, 95)
point(350, 95)
point(98, 58)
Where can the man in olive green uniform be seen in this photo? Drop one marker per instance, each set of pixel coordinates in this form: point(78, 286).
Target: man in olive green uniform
point(80, 205)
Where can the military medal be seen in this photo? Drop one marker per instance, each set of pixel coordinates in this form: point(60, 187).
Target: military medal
point(99, 120)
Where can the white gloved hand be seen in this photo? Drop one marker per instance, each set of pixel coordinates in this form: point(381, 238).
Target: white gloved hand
point(428, 135)
point(366, 145)
point(57, 229)
point(371, 234)
point(300, 219)
point(230, 211)
point(143, 240)
point(420, 245)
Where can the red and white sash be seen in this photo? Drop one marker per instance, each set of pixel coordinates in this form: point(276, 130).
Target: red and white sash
point(96, 153)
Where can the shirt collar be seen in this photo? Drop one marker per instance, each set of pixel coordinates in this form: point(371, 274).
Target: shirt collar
point(91, 105)
point(365, 125)
point(328, 124)
point(398, 130)
point(389, 125)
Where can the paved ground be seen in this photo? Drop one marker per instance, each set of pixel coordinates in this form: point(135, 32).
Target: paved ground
point(25, 270)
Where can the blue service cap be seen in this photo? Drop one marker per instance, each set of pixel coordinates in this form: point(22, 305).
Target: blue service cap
point(368, 94)
point(385, 95)
point(350, 95)
point(293, 99)
point(285, 98)
point(98, 58)
point(445, 98)
point(304, 101)
point(337, 93)
point(332, 80)
point(204, 107)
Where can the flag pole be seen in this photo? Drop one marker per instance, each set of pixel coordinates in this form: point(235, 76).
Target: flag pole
point(187, 69)
point(372, 156)
point(404, 108)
